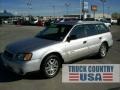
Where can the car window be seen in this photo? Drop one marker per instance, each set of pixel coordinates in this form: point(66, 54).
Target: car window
point(54, 33)
point(102, 28)
point(78, 31)
point(91, 30)
point(105, 21)
point(51, 31)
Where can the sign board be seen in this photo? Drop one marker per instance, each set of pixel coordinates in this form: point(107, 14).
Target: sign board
point(85, 5)
point(94, 7)
point(91, 73)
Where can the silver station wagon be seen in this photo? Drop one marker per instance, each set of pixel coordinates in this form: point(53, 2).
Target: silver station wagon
point(57, 44)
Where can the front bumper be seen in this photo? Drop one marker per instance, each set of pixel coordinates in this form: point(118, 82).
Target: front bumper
point(21, 67)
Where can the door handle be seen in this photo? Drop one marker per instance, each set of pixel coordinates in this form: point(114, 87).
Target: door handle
point(84, 42)
point(100, 38)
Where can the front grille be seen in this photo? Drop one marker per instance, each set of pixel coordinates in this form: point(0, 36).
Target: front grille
point(8, 54)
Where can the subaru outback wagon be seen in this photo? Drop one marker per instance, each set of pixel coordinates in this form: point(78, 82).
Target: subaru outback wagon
point(58, 44)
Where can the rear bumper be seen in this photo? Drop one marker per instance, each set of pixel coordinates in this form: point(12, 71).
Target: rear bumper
point(21, 67)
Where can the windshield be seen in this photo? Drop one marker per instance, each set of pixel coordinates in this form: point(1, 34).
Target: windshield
point(104, 20)
point(56, 33)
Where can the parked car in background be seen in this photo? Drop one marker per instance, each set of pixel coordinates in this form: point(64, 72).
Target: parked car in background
point(40, 23)
point(55, 45)
point(90, 19)
point(5, 21)
point(106, 22)
point(118, 21)
point(0, 21)
point(114, 21)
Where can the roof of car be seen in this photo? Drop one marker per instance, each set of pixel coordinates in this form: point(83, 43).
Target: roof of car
point(89, 22)
point(78, 22)
point(67, 23)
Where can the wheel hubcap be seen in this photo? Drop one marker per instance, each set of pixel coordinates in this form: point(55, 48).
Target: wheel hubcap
point(103, 50)
point(51, 66)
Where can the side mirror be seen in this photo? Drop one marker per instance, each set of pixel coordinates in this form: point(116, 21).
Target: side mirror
point(71, 37)
point(68, 39)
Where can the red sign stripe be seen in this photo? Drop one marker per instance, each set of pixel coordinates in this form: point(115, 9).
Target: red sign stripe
point(73, 76)
point(107, 73)
point(107, 76)
point(73, 73)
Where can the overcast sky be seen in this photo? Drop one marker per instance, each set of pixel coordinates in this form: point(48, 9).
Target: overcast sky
point(45, 7)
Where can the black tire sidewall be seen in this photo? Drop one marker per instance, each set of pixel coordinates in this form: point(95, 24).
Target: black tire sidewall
point(43, 64)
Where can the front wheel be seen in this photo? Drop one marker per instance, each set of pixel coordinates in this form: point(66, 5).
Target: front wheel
point(50, 66)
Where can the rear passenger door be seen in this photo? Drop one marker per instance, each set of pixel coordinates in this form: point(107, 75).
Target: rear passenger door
point(93, 40)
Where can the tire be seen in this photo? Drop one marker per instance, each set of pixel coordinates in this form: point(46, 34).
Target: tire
point(50, 66)
point(103, 50)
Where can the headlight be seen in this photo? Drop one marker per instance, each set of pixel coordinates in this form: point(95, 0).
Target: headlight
point(24, 56)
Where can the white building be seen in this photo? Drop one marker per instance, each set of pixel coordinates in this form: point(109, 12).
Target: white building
point(100, 15)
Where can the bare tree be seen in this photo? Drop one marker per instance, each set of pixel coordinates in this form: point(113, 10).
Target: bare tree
point(116, 15)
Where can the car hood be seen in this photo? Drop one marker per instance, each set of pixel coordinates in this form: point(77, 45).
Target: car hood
point(29, 45)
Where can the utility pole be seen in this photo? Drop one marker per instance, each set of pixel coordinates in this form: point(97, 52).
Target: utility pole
point(29, 5)
point(103, 10)
point(1, 8)
point(94, 9)
point(67, 6)
point(80, 9)
point(109, 11)
point(103, 4)
point(83, 10)
point(53, 11)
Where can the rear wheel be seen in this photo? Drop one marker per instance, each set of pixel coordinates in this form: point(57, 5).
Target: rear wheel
point(50, 66)
point(103, 50)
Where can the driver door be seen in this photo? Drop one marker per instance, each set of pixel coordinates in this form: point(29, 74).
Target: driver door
point(77, 46)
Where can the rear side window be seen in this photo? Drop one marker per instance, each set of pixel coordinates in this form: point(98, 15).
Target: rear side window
point(102, 28)
point(91, 30)
point(78, 31)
